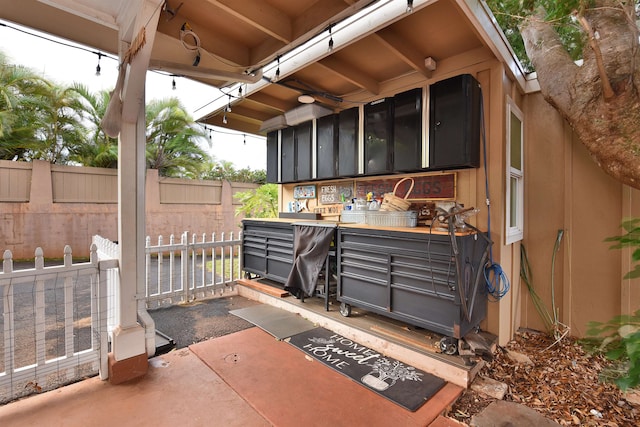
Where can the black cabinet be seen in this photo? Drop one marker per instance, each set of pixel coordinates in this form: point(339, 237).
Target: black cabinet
point(393, 134)
point(288, 155)
point(348, 142)
point(272, 157)
point(378, 131)
point(303, 136)
point(267, 249)
point(454, 123)
point(407, 131)
point(326, 147)
point(429, 280)
point(295, 153)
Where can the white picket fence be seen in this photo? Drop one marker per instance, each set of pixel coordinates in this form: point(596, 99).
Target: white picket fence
point(54, 324)
point(56, 320)
point(193, 268)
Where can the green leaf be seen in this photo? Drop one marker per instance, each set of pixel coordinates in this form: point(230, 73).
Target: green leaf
point(616, 353)
point(633, 274)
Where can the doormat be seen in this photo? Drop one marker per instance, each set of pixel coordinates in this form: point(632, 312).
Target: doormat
point(279, 323)
point(402, 384)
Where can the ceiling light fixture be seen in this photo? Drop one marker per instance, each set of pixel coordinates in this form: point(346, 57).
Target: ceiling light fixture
point(306, 99)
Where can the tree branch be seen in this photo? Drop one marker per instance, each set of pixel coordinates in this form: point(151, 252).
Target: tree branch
point(607, 90)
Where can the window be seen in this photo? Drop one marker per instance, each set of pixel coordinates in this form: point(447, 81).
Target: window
point(514, 203)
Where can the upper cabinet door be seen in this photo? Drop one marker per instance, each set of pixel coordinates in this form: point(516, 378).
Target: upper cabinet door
point(303, 136)
point(326, 138)
point(272, 157)
point(288, 155)
point(348, 142)
point(407, 131)
point(454, 123)
point(378, 136)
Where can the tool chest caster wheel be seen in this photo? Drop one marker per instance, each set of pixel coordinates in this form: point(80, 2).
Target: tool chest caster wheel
point(345, 309)
point(449, 345)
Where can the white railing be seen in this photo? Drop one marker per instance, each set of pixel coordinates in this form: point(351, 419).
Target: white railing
point(193, 268)
point(53, 324)
point(181, 271)
point(56, 320)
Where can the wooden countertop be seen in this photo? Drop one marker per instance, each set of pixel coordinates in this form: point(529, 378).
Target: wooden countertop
point(320, 222)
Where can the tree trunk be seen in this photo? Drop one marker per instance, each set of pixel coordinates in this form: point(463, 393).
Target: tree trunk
point(599, 98)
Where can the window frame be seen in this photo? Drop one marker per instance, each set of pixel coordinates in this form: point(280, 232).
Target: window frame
point(514, 232)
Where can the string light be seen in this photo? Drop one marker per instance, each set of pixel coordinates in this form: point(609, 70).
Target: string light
point(228, 109)
point(240, 92)
point(98, 66)
point(224, 118)
point(409, 6)
point(277, 75)
point(330, 39)
point(173, 83)
point(244, 138)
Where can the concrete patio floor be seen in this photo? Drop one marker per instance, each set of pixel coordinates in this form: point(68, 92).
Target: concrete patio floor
point(266, 383)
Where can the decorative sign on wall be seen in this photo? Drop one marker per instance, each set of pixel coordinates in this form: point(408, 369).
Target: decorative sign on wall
point(427, 187)
point(304, 192)
point(336, 193)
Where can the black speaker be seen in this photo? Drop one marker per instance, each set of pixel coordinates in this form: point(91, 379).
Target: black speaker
point(454, 123)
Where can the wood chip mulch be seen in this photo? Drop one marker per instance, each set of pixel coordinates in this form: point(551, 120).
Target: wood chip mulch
point(562, 384)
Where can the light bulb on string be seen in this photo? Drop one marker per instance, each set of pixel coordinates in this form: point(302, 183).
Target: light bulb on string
point(228, 109)
point(277, 75)
point(98, 69)
point(240, 92)
point(224, 118)
point(330, 40)
point(244, 137)
point(409, 6)
point(173, 83)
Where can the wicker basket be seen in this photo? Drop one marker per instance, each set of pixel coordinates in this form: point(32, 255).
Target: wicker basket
point(391, 202)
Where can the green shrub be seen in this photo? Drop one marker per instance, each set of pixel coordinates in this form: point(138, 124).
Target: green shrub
point(619, 338)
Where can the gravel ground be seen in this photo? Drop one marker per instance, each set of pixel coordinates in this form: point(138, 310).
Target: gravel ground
point(201, 320)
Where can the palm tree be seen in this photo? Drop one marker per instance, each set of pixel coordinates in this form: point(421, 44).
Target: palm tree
point(61, 130)
point(23, 95)
point(172, 140)
point(99, 150)
point(259, 203)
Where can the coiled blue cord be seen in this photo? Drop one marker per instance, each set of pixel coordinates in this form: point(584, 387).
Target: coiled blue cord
point(497, 282)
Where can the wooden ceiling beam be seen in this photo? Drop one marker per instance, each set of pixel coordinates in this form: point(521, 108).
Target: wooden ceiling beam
point(402, 48)
point(318, 17)
point(235, 123)
point(240, 110)
point(269, 101)
point(216, 44)
point(353, 75)
point(259, 15)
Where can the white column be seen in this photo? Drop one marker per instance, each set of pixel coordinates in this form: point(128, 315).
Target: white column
point(129, 337)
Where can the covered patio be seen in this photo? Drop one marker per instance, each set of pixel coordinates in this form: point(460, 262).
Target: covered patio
point(269, 58)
